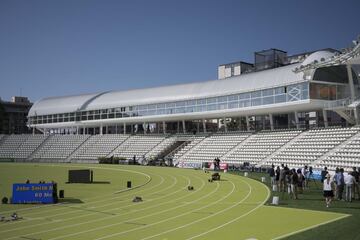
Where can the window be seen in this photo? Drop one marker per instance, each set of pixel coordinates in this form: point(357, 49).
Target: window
point(200, 101)
point(233, 98)
point(170, 105)
point(233, 105)
point(244, 96)
point(279, 90)
point(180, 104)
point(268, 92)
point(211, 100)
point(280, 98)
point(161, 105)
point(256, 94)
point(268, 100)
point(222, 99)
point(211, 107)
point(190, 103)
point(152, 106)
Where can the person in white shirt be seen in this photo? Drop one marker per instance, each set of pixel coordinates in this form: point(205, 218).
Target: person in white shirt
point(349, 182)
point(328, 190)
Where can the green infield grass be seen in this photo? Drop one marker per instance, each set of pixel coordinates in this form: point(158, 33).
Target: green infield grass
point(235, 207)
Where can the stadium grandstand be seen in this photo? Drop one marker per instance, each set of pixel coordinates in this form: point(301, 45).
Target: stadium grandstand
point(299, 110)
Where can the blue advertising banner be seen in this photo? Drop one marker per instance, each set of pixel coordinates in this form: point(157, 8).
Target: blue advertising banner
point(316, 174)
point(32, 193)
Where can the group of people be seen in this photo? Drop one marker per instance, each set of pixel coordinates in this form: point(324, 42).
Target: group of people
point(335, 185)
point(293, 181)
point(341, 186)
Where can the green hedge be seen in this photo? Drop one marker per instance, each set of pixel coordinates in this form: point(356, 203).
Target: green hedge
point(114, 160)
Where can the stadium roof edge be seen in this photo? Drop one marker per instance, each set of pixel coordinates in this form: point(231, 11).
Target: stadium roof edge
point(109, 99)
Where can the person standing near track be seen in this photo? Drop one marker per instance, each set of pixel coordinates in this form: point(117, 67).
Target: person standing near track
point(272, 176)
point(340, 184)
point(349, 183)
point(277, 177)
point(328, 189)
point(282, 178)
point(356, 176)
point(294, 181)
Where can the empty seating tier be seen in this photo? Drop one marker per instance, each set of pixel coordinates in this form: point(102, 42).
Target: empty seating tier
point(137, 145)
point(10, 144)
point(99, 146)
point(216, 145)
point(311, 145)
point(59, 147)
point(331, 147)
point(259, 146)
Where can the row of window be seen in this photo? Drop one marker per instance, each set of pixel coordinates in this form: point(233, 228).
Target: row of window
point(264, 97)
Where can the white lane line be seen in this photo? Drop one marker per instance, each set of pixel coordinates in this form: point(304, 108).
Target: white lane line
point(106, 218)
point(237, 218)
point(83, 215)
point(204, 218)
point(311, 227)
point(98, 228)
point(167, 219)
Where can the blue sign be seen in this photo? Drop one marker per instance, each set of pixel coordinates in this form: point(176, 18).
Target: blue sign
point(316, 174)
point(33, 193)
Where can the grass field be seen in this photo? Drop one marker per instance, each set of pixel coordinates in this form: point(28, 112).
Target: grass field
point(233, 208)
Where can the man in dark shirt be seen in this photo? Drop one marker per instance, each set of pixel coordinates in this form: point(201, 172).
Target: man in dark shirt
point(323, 174)
point(272, 175)
point(355, 189)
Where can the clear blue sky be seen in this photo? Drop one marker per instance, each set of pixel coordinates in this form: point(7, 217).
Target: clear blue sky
point(55, 48)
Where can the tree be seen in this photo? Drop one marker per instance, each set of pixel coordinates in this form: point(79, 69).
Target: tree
point(2, 118)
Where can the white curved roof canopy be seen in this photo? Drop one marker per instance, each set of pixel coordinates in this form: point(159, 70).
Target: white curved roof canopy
point(319, 56)
point(243, 83)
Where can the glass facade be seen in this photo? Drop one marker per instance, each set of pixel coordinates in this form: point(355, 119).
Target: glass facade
point(328, 91)
point(290, 93)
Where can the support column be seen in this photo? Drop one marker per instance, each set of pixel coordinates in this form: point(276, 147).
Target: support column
point(116, 129)
point(263, 122)
point(204, 125)
point(178, 127)
point(144, 127)
point(77, 130)
point(183, 124)
point(225, 125)
point(101, 129)
point(351, 82)
point(247, 123)
point(198, 126)
point(106, 129)
point(33, 130)
point(356, 115)
point(297, 120)
point(164, 127)
point(124, 128)
point(326, 124)
point(271, 122)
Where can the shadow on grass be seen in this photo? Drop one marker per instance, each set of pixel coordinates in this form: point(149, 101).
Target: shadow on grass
point(70, 200)
point(94, 182)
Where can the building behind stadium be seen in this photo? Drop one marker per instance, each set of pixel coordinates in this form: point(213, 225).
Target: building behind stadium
point(318, 88)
